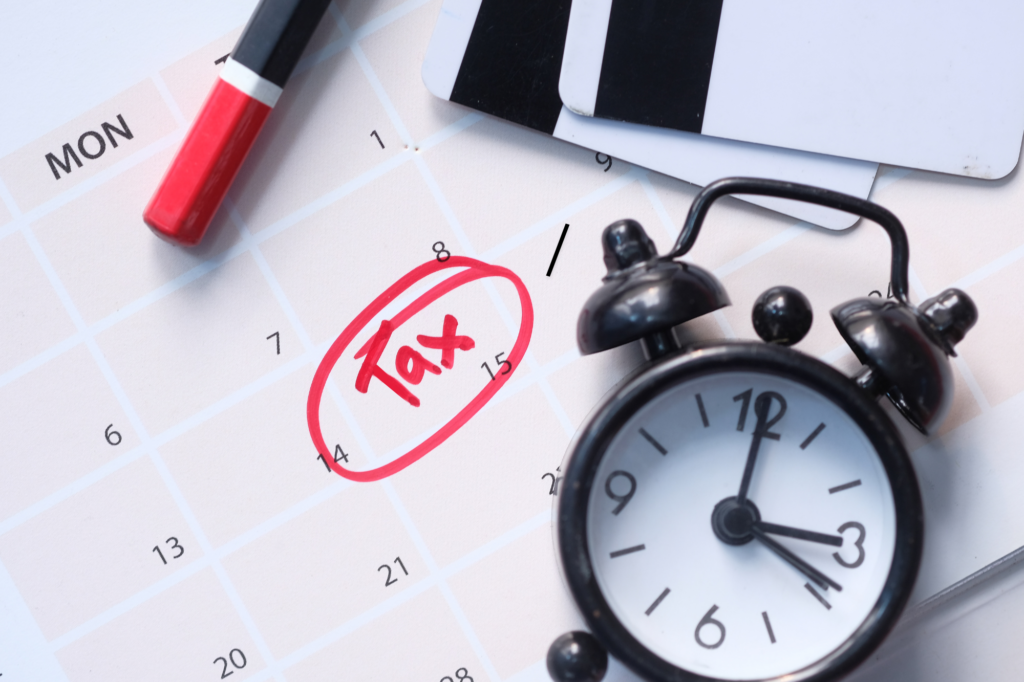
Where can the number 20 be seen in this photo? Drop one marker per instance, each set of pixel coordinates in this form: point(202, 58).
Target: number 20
point(238, 662)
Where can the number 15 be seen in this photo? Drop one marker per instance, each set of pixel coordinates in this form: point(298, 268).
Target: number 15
point(498, 363)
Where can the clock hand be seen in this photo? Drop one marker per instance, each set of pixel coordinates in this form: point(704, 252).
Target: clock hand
point(819, 578)
point(799, 533)
point(762, 406)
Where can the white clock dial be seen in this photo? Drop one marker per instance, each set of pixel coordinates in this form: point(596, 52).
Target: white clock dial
point(740, 611)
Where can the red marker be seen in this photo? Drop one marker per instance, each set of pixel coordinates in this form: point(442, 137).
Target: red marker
point(220, 138)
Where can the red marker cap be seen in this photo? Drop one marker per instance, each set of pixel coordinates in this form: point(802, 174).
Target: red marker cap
point(231, 118)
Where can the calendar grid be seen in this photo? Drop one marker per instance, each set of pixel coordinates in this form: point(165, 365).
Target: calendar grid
point(148, 447)
point(541, 375)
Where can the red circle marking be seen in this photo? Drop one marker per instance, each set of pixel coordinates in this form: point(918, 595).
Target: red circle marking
point(475, 270)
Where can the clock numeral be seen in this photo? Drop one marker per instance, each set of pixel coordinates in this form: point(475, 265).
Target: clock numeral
point(622, 500)
point(708, 620)
point(745, 397)
point(763, 407)
point(859, 544)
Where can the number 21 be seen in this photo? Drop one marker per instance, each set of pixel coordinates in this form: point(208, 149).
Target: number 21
point(389, 581)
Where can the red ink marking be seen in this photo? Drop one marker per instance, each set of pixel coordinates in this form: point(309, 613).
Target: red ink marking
point(411, 365)
point(375, 346)
point(370, 368)
point(447, 342)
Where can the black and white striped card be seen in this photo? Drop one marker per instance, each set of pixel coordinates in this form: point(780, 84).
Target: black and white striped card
point(936, 85)
point(504, 58)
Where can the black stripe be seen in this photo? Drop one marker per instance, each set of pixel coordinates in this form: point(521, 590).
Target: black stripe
point(657, 62)
point(277, 33)
point(513, 60)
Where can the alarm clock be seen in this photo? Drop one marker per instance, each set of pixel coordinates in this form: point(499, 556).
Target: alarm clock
point(741, 510)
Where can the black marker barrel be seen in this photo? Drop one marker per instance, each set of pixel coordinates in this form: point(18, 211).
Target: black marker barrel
point(276, 35)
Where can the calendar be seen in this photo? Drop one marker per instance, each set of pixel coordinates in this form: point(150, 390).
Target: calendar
point(391, 288)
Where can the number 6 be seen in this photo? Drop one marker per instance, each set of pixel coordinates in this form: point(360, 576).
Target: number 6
point(708, 620)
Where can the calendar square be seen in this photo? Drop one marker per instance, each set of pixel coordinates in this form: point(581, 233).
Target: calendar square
point(393, 423)
point(199, 344)
point(32, 318)
point(255, 460)
point(577, 272)
point(319, 136)
point(422, 113)
point(517, 631)
point(485, 480)
point(426, 641)
point(332, 264)
point(956, 225)
point(190, 631)
point(105, 255)
point(98, 548)
point(55, 431)
point(500, 179)
point(996, 336)
point(316, 572)
point(190, 79)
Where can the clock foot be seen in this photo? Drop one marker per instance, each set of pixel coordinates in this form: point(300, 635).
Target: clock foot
point(577, 657)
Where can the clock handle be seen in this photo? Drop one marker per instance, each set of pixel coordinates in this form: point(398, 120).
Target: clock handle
point(812, 195)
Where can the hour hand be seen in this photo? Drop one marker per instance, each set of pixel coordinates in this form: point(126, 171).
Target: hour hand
point(798, 533)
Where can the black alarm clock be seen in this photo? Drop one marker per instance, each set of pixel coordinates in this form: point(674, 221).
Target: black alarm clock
point(741, 510)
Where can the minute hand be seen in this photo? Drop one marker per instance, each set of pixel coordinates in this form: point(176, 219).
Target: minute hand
point(799, 533)
point(762, 406)
point(816, 576)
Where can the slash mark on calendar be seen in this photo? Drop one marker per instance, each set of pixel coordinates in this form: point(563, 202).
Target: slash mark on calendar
point(411, 365)
point(558, 249)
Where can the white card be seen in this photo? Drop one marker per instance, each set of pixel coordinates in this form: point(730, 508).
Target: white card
point(937, 85)
point(492, 79)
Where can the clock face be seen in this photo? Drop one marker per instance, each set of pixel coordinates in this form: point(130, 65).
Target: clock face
point(713, 592)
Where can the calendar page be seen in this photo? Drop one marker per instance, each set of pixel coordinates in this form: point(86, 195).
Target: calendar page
point(417, 268)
